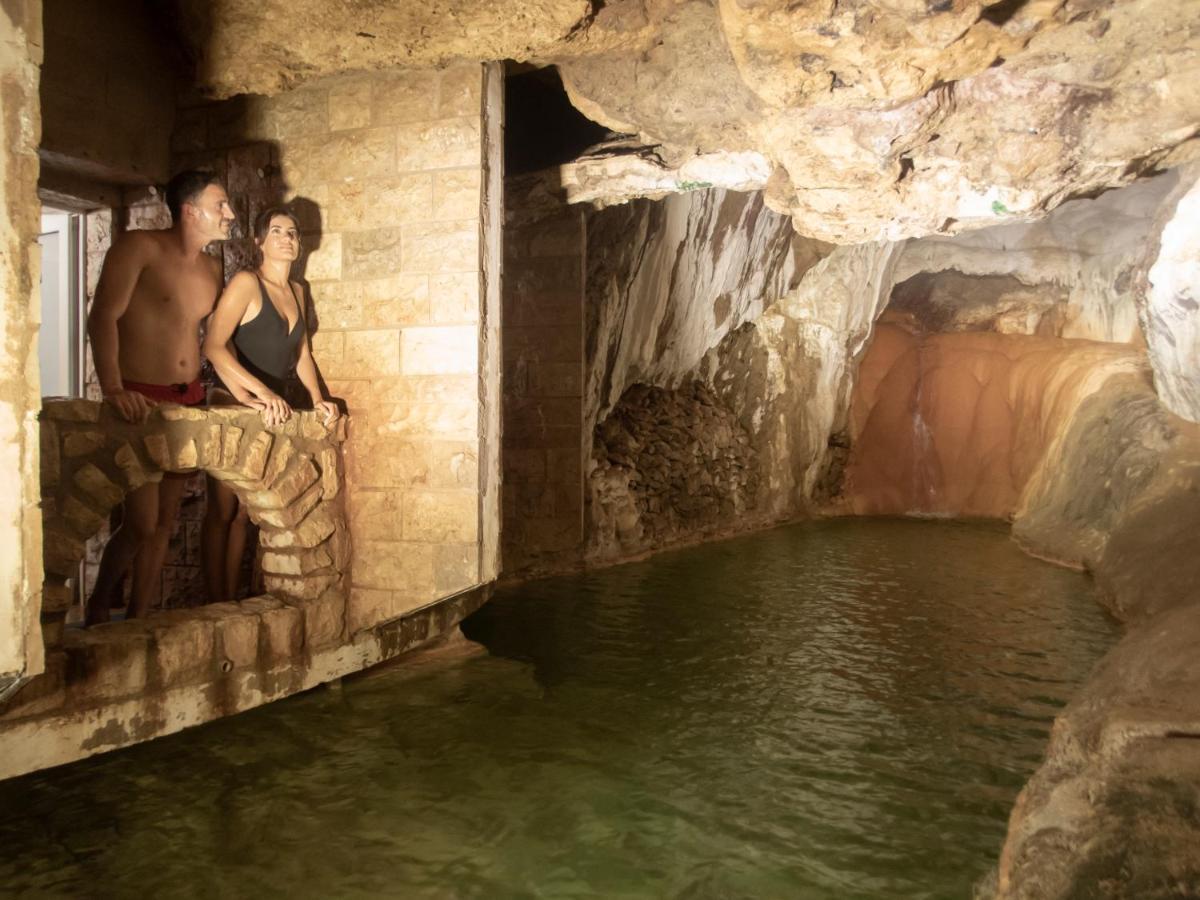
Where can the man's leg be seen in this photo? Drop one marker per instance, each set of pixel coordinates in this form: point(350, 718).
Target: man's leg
point(137, 526)
point(148, 564)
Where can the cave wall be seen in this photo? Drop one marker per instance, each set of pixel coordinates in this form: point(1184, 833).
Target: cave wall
point(955, 424)
point(21, 648)
point(721, 408)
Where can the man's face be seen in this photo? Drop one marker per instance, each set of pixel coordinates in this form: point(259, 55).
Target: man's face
point(212, 213)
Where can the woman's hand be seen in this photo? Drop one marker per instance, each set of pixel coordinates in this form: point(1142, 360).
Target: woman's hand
point(328, 409)
point(274, 409)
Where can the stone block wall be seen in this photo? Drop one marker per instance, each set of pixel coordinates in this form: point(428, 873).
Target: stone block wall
point(108, 93)
point(385, 172)
point(543, 388)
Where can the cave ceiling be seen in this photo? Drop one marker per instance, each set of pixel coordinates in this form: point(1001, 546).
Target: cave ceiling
point(876, 119)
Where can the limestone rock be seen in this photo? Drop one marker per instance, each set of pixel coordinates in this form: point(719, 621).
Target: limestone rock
point(1171, 305)
point(267, 46)
point(954, 122)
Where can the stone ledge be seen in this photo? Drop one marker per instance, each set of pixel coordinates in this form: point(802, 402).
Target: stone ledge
point(106, 663)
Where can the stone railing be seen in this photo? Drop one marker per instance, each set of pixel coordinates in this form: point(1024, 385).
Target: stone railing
point(119, 683)
point(289, 478)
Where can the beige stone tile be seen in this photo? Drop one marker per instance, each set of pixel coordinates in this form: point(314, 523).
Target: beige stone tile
point(439, 350)
point(441, 516)
point(338, 304)
point(367, 607)
point(324, 263)
point(372, 254)
point(363, 153)
point(399, 300)
point(375, 515)
point(438, 247)
point(453, 464)
point(454, 297)
point(441, 144)
point(378, 303)
point(461, 91)
point(370, 353)
point(380, 203)
point(350, 104)
point(393, 565)
point(355, 391)
point(298, 113)
point(455, 567)
point(328, 349)
point(451, 420)
point(390, 463)
point(404, 97)
point(456, 194)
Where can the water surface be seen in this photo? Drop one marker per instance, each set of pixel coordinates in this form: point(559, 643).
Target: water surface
point(834, 710)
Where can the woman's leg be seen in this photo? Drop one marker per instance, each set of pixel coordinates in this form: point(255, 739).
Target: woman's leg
point(219, 516)
point(235, 549)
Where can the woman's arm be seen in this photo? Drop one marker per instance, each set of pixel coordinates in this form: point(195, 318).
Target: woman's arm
point(231, 308)
point(306, 368)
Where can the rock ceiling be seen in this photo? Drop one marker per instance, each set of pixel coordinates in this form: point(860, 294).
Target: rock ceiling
point(875, 119)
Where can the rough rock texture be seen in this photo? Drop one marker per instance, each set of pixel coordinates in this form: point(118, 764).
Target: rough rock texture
point(773, 355)
point(669, 465)
point(665, 281)
point(1114, 812)
point(270, 45)
point(675, 300)
point(881, 120)
point(956, 424)
point(1118, 493)
point(20, 520)
point(1093, 250)
point(1171, 304)
point(889, 121)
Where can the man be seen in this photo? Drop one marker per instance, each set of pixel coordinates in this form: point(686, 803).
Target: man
point(155, 288)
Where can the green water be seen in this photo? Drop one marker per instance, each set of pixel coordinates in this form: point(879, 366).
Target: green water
point(835, 710)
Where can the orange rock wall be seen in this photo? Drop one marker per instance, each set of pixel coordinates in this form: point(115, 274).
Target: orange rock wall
point(956, 424)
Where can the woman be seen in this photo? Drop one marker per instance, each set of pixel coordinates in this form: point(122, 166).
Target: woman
point(258, 342)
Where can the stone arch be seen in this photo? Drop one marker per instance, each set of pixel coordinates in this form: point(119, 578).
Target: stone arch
point(288, 476)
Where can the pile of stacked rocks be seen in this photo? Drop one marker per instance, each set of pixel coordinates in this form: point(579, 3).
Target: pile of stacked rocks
point(688, 464)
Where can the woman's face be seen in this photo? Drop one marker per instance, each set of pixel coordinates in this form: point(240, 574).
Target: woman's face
point(282, 240)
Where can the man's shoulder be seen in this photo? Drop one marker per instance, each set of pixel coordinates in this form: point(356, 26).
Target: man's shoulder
point(143, 240)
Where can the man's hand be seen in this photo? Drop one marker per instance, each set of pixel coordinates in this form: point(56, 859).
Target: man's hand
point(132, 406)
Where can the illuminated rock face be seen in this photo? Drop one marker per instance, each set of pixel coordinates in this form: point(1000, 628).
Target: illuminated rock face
point(956, 424)
point(879, 120)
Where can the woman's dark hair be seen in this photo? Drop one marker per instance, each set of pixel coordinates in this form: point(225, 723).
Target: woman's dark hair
point(263, 223)
point(185, 187)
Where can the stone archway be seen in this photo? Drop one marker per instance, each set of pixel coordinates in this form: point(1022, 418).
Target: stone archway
point(289, 477)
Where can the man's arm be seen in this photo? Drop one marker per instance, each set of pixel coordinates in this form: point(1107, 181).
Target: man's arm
point(118, 277)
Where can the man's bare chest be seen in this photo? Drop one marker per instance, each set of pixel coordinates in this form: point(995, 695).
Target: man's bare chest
point(178, 292)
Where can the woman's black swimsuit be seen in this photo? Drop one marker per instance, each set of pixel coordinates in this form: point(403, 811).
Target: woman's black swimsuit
point(268, 350)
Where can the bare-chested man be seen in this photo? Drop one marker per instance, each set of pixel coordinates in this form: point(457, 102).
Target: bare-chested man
point(155, 289)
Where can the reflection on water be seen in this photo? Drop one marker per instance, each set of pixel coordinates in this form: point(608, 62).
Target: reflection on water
point(831, 710)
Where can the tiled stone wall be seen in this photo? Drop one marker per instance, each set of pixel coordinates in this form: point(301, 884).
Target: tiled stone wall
point(543, 372)
point(385, 170)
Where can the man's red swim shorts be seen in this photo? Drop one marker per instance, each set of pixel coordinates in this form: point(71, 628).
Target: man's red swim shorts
point(183, 394)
